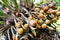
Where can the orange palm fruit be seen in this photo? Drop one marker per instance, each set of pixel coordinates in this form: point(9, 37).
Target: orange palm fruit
point(45, 8)
point(41, 15)
point(26, 26)
point(33, 22)
point(20, 30)
point(36, 9)
point(47, 21)
point(44, 26)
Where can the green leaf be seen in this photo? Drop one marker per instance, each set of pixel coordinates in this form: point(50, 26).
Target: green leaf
point(44, 1)
point(54, 0)
point(58, 29)
point(6, 3)
point(57, 26)
point(58, 1)
point(58, 7)
point(2, 13)
point(14, 1)
point(52, 25)
point(1, 22)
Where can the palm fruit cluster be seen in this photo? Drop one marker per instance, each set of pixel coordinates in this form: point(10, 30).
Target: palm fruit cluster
point(47, 14)
point(30, 22)
point(41, 19)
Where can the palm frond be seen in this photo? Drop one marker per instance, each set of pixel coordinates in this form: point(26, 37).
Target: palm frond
point(2, 13)
point(15, 2)
point(6, 3)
